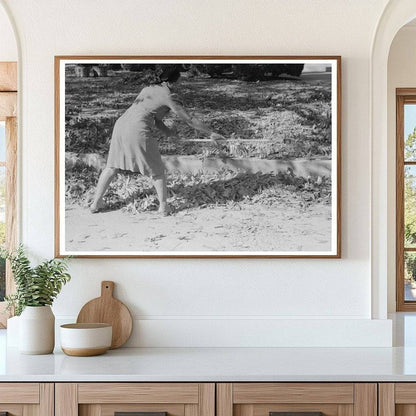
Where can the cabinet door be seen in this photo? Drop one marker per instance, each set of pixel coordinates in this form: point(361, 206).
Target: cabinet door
point(297, 399)
point(144, 399)
point(397, 399)
point(26, 399)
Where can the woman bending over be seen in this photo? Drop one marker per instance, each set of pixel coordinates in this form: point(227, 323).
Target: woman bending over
point(133, 147)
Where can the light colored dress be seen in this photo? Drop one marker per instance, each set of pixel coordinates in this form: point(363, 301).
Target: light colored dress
point(133, 147)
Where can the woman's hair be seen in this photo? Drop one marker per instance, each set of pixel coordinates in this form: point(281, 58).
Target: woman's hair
point(170, 73)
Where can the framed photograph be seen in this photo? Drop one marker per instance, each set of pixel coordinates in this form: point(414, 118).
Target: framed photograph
point(198, 156)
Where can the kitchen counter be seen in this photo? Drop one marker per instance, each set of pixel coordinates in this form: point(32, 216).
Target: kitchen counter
point(213, 364)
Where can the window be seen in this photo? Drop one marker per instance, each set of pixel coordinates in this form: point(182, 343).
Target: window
point(8, 171)
point(2, 206)
point(406, 199)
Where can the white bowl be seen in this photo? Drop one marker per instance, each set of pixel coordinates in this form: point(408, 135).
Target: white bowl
point(83, 340)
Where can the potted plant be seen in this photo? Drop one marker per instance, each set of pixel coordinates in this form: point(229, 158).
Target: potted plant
point(36, 289)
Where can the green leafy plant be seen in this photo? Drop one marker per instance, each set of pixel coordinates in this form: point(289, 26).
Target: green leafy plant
point(35, 286)
point(2, 233)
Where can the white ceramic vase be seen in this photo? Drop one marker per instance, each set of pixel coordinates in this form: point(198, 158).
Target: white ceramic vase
point(37, 330)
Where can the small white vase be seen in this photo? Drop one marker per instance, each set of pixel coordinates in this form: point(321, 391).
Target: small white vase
point(37, 330)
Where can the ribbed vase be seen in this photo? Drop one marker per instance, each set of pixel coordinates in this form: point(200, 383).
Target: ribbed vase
point(37, 330)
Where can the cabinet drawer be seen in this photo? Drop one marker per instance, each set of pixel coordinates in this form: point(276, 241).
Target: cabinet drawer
point(22, 399)
point(138, 393)
point(143, 409)
point(292, 393)
point(297, 399)
point(19, 393)
point(397, 399)
point(153, 399)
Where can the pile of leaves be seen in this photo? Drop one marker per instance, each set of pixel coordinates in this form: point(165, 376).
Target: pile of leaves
point(293, 116)
point(135, 193)
point(89, 135)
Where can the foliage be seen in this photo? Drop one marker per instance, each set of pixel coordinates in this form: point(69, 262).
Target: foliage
point(2, 204)
point(410, 266)
point(410, 210)
point(86, 136)
point(2, 278)
point(274, 119)
point(136, 193)
point(410, 191)
point(410, 146)
point(410, 207)
point(35, 286)
point(2, 233)
point(2, 239)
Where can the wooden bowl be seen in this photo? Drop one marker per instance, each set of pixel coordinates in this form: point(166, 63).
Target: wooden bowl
point(84, 340)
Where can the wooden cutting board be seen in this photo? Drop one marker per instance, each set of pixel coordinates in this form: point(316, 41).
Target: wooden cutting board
point(107, 309)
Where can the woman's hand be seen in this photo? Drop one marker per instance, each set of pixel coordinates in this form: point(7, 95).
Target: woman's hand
point(168, 132)
point(216, 137)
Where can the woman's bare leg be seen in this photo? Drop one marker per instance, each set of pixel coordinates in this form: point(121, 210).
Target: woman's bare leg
point(159, 182)
point(104, 181)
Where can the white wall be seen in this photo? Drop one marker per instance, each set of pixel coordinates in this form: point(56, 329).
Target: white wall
point(401, 74)
point(8, 47)
point(179, 302)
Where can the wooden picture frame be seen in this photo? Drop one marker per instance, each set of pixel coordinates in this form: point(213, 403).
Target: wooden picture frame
point(262, 96)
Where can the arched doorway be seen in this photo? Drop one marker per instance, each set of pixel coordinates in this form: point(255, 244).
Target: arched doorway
point(8, 149)
point(396, 14)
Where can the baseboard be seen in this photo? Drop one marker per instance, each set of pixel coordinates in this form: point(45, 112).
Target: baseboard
point(148, 332)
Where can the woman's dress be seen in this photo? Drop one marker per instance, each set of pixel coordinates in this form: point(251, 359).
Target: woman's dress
point(133, 146)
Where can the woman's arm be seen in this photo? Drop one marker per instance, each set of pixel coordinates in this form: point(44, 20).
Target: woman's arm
point(176, 107)
point(191, 121)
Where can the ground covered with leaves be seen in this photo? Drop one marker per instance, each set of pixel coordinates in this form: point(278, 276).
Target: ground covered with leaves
point(273, 119)
point(135, 193)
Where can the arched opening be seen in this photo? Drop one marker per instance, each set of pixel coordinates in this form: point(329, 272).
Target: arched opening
point(9, 53)
point(401, 113)
point(396, 15)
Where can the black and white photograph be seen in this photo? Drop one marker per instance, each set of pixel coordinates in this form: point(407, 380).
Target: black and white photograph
point(198, 157)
